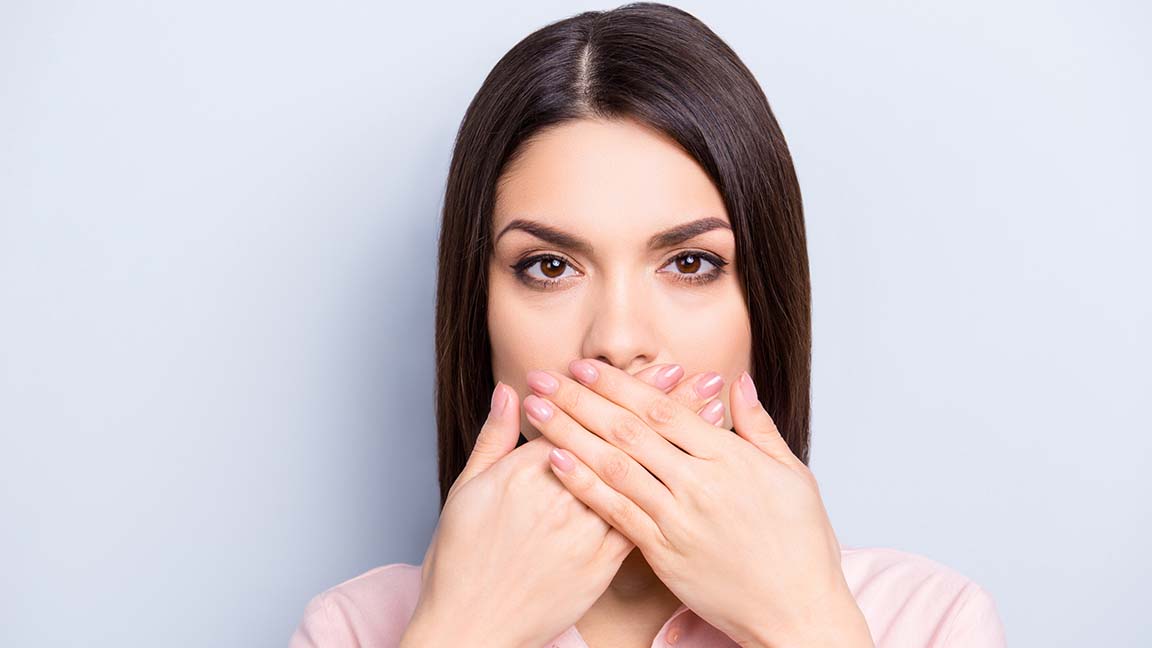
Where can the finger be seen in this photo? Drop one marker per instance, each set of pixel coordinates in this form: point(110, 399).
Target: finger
point(613, 466)
point(713, 412)
point(657, 410)
point(498, 436)
point(613, 507)
point(753, 423)
point(693, 392)
point(616, 546)
point(615, 425)
point(661, 376)
point(700, 393)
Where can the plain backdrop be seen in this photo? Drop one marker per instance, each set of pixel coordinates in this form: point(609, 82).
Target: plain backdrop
point(218, 227)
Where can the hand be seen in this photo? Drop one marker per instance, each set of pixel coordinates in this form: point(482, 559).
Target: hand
point(733, 524)
point(509, 533)
point(516, 559)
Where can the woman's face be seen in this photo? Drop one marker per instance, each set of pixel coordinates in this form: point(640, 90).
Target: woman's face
point(590, 260)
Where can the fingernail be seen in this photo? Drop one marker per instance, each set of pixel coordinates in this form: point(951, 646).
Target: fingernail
point(668, 376)
point(709, 384)
point(538, 408)
point(584, 371)
point(542, 382)
point(561, 460)
point(713, 412)
point(748, 388)
point(499, 401)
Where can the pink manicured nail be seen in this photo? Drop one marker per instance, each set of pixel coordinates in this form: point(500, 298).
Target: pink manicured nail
point(561, 460)
point(537, 408)
point(709, 384)
point(747, 388)
point(542, 382)
point(713, 412)
point(499, 400)
point(668, 376)
point(583, 370)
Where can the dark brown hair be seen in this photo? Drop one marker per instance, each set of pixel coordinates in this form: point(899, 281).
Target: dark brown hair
point(661, 66)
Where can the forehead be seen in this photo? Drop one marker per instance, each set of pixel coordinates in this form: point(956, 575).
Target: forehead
point(615, 177)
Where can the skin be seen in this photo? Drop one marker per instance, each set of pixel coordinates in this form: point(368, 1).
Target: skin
point(734, 525)
point(620, 302)
point(633, 494)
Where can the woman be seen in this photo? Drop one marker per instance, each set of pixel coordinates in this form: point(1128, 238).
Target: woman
point(623, 244)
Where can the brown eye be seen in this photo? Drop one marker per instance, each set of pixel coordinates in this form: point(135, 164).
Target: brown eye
point(544, 271)
point(687, 267)
point(688, 264)
point(552, 268)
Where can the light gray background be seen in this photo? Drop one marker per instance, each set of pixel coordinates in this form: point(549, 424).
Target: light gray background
point(217, 255)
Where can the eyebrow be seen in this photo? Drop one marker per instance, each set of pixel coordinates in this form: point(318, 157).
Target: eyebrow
point(659, 241)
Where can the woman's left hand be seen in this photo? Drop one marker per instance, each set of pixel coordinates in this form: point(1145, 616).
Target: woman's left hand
point(733, 524)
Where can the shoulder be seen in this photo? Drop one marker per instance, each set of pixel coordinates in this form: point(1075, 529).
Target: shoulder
point(369, 609)
point(911, 599)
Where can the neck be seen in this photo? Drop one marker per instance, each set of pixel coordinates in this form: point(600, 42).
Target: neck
point(636, 601)
point(636, 583)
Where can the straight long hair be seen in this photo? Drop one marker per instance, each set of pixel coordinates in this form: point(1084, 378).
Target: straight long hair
point(661, 66)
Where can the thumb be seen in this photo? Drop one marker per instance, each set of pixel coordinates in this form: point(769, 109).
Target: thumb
point(498, 436)
point(752, 422)
point(616, 546)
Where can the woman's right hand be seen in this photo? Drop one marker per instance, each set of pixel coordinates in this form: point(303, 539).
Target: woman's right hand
point(516, 559)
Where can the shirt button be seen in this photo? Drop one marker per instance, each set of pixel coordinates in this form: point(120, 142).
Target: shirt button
point(673, 636)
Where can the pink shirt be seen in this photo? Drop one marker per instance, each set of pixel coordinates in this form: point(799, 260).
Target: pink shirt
point(909, 601)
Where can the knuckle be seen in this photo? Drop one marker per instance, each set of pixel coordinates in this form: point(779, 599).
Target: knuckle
point(568, 397)
point(615, 470)
point(518, 480)
point(559, 513)
point(625, 431)
point(621, 512)
point(685, 394)
point(661, 410)
point(704, 494)
point(583, 481)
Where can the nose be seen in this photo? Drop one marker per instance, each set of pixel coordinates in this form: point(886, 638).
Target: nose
point(621, 331)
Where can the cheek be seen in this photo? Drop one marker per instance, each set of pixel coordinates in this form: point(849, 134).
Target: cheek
point(714, 335)
point(526, 335)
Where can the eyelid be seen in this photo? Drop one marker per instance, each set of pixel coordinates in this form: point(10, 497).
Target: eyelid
point(715, 259)
point(520, 268)
point(534, 258)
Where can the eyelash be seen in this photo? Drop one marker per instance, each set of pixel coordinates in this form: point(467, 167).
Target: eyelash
point(521, 267)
